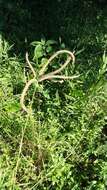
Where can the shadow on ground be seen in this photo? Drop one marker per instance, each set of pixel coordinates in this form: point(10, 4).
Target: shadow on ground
point(71, 20)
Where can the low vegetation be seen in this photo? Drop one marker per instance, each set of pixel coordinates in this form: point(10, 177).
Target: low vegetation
point(61, 144)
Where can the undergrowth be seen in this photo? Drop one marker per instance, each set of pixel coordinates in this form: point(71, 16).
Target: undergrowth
point(62, 144)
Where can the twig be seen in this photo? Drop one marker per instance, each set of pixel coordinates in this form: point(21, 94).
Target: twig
point(48, 76)
point(28, 62)
point(42, 71)
point(28, 84)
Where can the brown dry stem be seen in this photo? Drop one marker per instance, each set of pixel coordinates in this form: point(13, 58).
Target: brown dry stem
point(49, 76)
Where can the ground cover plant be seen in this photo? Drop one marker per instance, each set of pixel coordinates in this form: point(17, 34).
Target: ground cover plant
point(62, 143)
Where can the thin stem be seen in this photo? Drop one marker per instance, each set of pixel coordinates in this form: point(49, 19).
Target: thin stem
point(49, 76)
point(32, 69)
point(42, 71)
point(22, 99)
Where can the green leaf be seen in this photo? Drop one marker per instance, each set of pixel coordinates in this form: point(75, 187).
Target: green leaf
point(35, 43)
point(43, 61)
point(49, 49)
point(12, 106)
point(51, 42)
point(62, 45)
point(46, 94)
point(38, 52)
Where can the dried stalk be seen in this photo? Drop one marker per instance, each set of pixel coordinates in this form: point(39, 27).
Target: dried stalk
point(49, 76)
